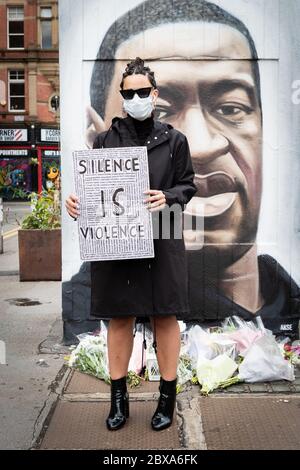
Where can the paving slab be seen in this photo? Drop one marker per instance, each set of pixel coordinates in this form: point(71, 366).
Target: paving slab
point(80, 383)
point(81, 425)
point(250, 422)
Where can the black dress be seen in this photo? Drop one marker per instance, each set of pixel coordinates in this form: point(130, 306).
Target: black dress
point(153, 286)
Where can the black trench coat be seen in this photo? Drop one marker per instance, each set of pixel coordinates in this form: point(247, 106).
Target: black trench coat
point(152, 286)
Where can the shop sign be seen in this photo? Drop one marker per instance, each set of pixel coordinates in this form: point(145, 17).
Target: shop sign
point(13, 153)
point(51, 153)
point(13, 135)
point(50, 135)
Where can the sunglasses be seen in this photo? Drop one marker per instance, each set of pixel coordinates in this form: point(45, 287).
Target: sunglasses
point(142, 93)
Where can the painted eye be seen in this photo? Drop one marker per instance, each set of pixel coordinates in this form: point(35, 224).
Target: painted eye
point(230, 110)
point(233, 112)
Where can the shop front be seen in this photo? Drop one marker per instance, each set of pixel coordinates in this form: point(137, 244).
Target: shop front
point(29, 160)
point(18, 164)
point(48, 154)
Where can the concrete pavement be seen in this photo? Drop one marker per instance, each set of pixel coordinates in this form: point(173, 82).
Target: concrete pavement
point(226, 420)
point(27, 312)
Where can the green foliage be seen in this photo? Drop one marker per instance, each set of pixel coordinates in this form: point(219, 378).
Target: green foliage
point(14, 193)
point(46, 212)
point(92, 362)
point(133, 379)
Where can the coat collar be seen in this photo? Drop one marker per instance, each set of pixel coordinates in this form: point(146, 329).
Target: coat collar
point(160, 132)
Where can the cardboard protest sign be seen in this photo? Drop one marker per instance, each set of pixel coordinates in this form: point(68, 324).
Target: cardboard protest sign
point(114, 222)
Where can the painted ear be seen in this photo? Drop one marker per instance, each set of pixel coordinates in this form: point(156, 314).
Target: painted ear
point(95, 126)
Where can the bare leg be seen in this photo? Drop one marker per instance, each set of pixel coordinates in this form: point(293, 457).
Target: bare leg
point(120, 344)
point(168, 345)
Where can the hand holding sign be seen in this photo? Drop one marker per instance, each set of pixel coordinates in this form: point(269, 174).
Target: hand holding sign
point(156, 201)
point(72, 206)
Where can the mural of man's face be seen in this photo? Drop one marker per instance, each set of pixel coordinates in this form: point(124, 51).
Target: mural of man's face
point(214, 103)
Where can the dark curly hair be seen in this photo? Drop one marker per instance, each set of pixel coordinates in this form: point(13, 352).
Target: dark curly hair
point(137, 66)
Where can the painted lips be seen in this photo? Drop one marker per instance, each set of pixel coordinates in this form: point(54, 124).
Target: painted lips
point(216, 193)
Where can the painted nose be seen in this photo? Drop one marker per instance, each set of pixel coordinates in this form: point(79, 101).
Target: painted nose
point(205, 143)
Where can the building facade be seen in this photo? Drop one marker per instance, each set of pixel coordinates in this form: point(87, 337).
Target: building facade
point(29, 95)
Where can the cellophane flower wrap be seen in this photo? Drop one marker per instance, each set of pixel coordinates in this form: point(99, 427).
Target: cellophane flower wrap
point(234, 352)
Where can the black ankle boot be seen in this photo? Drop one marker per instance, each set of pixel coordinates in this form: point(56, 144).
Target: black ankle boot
point(119, 409)
point(163, 415)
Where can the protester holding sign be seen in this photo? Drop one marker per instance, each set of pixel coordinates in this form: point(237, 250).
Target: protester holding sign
point(154, 287)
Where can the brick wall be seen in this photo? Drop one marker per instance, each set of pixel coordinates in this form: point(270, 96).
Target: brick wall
point(31, 58)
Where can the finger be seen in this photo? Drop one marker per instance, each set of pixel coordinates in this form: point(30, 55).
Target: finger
point(156, 197)
point(73, 197)
point(156, 204)
point(73, 214)
point(90, 136)
point(73, 207)
point(152, 199)
point(94, 118)
point(152, 191)
point(159, 208)
point(149, 199)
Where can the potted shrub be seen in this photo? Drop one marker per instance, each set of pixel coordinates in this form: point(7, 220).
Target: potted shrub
point(40, 239)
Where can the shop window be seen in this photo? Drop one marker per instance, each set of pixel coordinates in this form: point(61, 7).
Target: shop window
point(46, 27)
point(16, 81)
point(51, 169)
point(2, 93)
point(15, 27)
point(16, 173)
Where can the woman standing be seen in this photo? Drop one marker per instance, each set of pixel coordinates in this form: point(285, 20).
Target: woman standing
point(156, 287)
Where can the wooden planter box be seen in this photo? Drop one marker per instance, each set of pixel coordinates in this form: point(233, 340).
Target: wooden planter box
point(40, 255)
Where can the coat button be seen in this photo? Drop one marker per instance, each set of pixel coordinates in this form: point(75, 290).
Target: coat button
point(166, 132)
point(148, 142)
point(155, 138)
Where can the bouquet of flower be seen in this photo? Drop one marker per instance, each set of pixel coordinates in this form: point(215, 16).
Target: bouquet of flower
point(264, 362)
point(291, 351)
point(184, 371)
point(243, 333)
point(211, 373)
point(202, 343)
point(238, 351)
point(90, 356)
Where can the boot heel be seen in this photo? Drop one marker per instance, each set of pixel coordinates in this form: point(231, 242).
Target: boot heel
point(127, 406)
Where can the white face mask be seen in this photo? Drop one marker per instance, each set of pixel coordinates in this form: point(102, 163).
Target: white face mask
point(139, 108)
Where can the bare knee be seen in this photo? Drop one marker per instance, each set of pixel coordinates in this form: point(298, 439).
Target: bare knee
point(121, 323)
point(165, 321)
